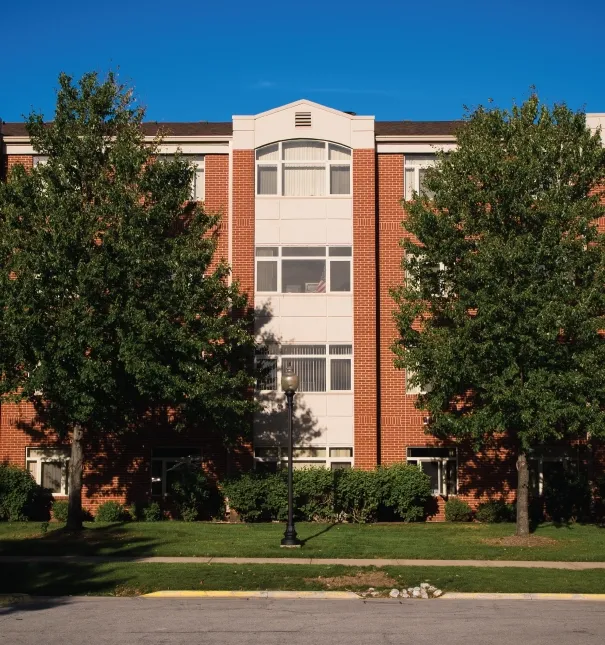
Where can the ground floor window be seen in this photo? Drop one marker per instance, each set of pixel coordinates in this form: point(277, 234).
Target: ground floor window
point(549, 463)
point(167, 465)
point(49, 467)
point(440, 464)
point(271, 459)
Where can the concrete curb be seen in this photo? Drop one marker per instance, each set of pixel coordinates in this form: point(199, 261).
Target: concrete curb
point(283, 595)
point(350, 595)
point(347, 562)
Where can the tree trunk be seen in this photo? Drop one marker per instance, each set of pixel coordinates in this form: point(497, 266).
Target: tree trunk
point(522, 495)
point(74, 509)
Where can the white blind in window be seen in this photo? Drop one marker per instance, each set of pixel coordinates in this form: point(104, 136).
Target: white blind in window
point(266, 275)
point(268, 153)
point(304, 150)
point(410, 182)
point(338, 153)
point(304, 181)
point(267, 180)
point(311, 373)
point(340, 180)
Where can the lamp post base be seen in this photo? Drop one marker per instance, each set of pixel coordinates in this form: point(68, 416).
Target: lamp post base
point(290, 541)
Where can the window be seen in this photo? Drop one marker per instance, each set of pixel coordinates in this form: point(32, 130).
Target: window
point(40, 160)
point(303, 168)
point(167, 465)
point(551, 462)
point(320, 368)
point(415, 172)
point(49, 467)
point(415, 388)
point(270, 459)
point(198, 181)
point(303, 269)
point(440, 464)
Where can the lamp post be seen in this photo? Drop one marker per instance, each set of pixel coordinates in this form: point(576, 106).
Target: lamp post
point(289, 384)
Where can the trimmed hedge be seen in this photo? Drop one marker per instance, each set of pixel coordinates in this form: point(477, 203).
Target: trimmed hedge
point(457, 511)
point(20, 497)
point(494, 511)
point(398, 491)
point(110, 512)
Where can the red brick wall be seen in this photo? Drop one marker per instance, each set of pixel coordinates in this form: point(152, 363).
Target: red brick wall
point(217, 198)
point(364, 308)
point(27, 161)
point(243, 221)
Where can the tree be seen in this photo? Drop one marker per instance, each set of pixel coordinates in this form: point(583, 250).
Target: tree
point(108, 304)
point(504, 302)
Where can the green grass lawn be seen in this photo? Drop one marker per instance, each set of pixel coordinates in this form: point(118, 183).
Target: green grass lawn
point(134, 579)
point(431, 540)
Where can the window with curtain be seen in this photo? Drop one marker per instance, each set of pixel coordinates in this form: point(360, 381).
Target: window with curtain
point(48, 466)
point(303, 168)
point(303, 269)
point(440, 464)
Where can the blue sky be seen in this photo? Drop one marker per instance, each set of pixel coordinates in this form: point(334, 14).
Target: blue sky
point(207, 60)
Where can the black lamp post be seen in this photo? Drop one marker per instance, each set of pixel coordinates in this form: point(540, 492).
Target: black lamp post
point(289, 384)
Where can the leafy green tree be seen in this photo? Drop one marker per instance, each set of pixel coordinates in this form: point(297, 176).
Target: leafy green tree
point(109, 306)
point(501, 310)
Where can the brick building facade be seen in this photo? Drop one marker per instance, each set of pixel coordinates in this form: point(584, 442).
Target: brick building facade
point(311, 209)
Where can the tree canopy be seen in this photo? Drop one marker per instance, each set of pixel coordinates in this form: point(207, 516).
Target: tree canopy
point(501, 312)
point(109, 304)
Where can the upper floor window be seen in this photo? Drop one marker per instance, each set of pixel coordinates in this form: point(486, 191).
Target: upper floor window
point(303, 269)
point(303, 168)
point(415, 172)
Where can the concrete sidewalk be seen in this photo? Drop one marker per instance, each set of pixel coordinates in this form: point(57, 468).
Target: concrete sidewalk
point(348, 562)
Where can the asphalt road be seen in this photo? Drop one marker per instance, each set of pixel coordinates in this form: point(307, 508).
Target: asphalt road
point(125, 621)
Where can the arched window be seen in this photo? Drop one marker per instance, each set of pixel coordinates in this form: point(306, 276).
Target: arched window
point(303, 168)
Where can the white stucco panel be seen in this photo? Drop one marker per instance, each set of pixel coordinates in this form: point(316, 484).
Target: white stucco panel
point(339, 231)
point(266, 208)
point(303, 305)
point(340, 329)
point(303, 330)
point(269, 305)
point(310, 231)
point(340, 430)
point(267, 231)
point(340, 209)
point(340, 305)
point(340, 405)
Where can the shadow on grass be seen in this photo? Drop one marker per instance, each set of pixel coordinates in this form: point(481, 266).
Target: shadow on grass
point(113, 539)
point(325, 529)
point(55, 582)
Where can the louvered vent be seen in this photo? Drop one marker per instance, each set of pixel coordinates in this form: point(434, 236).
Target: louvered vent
point(302, 119)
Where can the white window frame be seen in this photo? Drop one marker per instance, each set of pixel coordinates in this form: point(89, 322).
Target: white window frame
point(281, 457)
point(279, 258)
point(194, 456)
point(413, 163)
point(61, 456)
point(326, 162)
point(274, 352)
point(442, 462)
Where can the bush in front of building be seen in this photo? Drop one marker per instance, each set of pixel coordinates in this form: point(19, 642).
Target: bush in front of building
point(404, 491)
point(152, 512)
point(457, 511)
point(21, 498)
point(495, 511)
point(325, 495)
point(110, 511)
point(59, 509)
point(190, 493)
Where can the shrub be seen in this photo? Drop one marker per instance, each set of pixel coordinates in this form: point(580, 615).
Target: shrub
point(60, 507)
point(404, 491)
point(457, 511)
point(494, 511)
point(357, 495)
point(135, 511)
point(110, 512)
point(20, 497)
point(255, 496)
point(153, 513)
point(190, 492)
